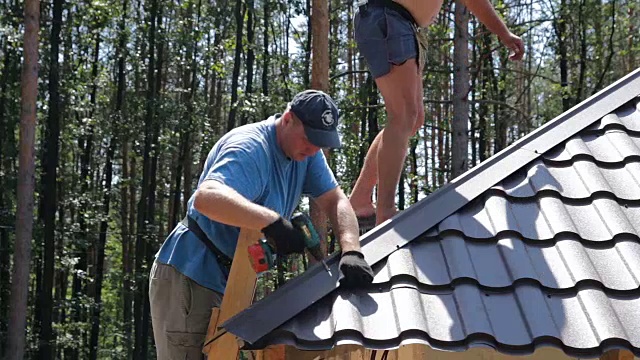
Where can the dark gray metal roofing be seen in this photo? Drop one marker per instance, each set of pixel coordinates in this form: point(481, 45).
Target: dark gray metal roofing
point(537, 245)
point(513, 321)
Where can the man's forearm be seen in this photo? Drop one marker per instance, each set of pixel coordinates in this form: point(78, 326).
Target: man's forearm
point(221, 203)
point(345, 225)
point(484, 11)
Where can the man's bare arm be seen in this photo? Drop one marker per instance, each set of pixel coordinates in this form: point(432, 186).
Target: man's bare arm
point(484, 11)
point(223, 204)
point(343, 220)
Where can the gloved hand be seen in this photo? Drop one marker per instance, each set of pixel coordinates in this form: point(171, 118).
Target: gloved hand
point(356, 271)
point(287, 239)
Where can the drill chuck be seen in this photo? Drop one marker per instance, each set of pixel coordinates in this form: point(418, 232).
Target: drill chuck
point(311, 238)
point(316, 252)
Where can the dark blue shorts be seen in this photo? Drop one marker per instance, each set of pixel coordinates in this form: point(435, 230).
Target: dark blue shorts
point(384, 37)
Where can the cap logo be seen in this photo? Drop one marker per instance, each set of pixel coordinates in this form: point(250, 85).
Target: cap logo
point(327, 118)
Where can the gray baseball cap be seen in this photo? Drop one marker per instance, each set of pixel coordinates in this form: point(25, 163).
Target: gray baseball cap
point(319, 115)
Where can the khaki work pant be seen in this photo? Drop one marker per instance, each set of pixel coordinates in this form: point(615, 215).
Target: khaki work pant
point(180, 313)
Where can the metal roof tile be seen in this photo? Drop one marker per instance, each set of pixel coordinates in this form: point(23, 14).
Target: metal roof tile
point(628, 115)
point(614, 146)
point(538, 245)
point(557, 264)
point(580, 180)
point(519, 317)
point(544, 217)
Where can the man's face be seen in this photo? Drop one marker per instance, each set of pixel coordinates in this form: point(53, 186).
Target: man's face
point(296, 145)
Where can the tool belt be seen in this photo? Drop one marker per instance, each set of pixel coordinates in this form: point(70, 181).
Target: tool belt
point(193, 226)
point(391, 5)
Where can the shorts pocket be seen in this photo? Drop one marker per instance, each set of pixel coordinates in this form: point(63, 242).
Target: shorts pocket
point(182, 345)
point(370, 25)
point(186, 295)
point(397, 26)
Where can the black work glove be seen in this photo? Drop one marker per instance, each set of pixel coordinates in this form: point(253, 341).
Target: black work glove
point(356, 271)
point(287, 239)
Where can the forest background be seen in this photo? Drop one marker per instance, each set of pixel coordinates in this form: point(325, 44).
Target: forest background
point(132, 94)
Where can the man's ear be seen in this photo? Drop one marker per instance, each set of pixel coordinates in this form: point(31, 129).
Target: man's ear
point(286, 117)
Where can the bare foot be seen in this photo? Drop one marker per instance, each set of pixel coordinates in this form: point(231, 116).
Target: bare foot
point(383, 215)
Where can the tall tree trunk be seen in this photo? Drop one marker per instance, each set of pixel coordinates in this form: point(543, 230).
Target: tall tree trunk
point(4, 279)
point(605, 68)
point(62, 274)
point(265, 47)
point(239, 11)
point(50, 187)
point(174, 201)
point(335, 49)
point(121, 55)
point(583, 52)
point(372, 113)
point(126, 248)
point(437, 161)
point(284, 53)
point(501, 122)
point(142, 214)
point(432, 147)
point(5, 264)
point(350, 50)
point(215, 111)
point(460, 124)
point(129, 259)
point(401, 194)
point(320, 81)
point(26, 185)
point(371, 93)
point(413, 182)
point(483, 111)
point(560, 26)
point(189, 101)
point(151, 205)
point(631, 55)
point(85, 250)
point(102, 240)
point(474, 118)
point(307, 46)
point(428, 146)
point(8, 116)
point(106, 201)
point(251, 57)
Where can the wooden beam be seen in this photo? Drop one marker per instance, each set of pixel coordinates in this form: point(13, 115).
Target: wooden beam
point(423, 352)
point(274, 352)
point(238, 295)
point(341, 352)
point(617, 355)
point(211, 330)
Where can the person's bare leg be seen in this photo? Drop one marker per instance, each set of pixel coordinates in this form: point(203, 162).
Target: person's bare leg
point(361, 197)
point(403, 101)
point(419, 103)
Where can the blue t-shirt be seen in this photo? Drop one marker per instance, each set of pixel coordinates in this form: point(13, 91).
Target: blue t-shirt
point(249, 160)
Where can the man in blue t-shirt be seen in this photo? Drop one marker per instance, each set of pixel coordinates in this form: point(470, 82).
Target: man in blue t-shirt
point(253, 178)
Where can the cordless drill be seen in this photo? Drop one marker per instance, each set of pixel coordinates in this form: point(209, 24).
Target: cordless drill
point(261, 254)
